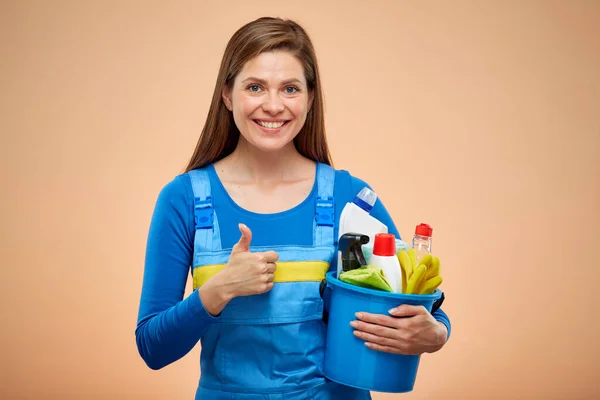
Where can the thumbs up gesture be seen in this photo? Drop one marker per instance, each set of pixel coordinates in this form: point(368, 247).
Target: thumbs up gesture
point(245, 274)
point(248, 273)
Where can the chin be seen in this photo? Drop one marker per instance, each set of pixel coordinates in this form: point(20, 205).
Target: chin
point(271, 146)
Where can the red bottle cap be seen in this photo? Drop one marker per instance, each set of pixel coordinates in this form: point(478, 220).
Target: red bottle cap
point(385, 244)
point(423, 230)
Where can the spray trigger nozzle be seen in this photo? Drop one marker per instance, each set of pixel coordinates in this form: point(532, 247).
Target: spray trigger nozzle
point(350, 244)
point(359, 254)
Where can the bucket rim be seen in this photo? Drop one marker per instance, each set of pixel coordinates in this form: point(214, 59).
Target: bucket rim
point(330, 277)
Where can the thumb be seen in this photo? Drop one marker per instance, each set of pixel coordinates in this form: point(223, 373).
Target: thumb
point(244, 243)
point(407, 310)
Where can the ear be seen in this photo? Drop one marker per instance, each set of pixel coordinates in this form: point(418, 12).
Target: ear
point(226, 95)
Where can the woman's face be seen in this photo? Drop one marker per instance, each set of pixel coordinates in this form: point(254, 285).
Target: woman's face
point(269, 100)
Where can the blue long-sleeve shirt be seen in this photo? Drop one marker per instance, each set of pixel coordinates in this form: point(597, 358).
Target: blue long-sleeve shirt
point(169, 325)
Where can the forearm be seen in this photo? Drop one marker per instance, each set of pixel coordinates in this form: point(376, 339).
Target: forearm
point(443, 318)
point(165, 337)
point(169, 325)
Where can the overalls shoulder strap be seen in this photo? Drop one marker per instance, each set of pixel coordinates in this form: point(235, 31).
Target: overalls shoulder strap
point(207, 237)
point(323, 233)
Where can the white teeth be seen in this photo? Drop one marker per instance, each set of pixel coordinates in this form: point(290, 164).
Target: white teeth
point(271, 125)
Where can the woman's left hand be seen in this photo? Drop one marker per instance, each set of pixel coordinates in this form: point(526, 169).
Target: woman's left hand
point(415, 333)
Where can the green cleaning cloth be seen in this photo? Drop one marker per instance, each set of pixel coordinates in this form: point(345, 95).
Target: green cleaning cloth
point(369, 276)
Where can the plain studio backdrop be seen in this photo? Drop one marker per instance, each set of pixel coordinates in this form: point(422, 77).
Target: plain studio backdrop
point(481, 118)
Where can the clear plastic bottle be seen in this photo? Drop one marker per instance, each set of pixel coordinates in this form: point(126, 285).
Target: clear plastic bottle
point(422, 240)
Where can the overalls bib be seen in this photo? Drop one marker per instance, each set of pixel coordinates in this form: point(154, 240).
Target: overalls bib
point(271, 345)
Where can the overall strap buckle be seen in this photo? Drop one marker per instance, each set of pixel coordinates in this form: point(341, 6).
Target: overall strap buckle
point(324, 214)
point(203, 212)
point(323, 225)
point(208, 235)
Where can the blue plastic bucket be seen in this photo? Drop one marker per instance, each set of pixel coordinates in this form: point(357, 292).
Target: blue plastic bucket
point(347, 360)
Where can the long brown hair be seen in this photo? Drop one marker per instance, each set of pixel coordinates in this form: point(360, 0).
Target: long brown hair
point(220, 135)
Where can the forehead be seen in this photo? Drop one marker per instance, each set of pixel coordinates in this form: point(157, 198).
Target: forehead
point(273, 67)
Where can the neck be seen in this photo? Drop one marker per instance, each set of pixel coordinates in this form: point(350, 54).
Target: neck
point(259, 166)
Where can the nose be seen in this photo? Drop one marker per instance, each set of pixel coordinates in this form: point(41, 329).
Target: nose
point(273, 104)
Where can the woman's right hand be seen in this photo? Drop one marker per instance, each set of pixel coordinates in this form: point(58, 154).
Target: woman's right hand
point(246, 273)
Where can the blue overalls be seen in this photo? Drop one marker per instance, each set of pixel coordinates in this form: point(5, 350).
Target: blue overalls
point(268, 346)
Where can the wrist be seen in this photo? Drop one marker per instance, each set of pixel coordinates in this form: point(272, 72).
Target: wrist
point(219, 284)
point(214, 295)
point(442, 332)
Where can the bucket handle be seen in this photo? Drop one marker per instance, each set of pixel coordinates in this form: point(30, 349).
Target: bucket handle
point(438, 303)
point(322, 289)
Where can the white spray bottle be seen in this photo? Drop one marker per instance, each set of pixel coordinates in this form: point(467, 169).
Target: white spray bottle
point(355, 217)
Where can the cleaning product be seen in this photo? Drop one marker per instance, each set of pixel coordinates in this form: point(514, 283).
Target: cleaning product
point(422, 241)
point(355, 217)
point(369, 277)
point(350, 251)
point(421, 277)
point(368, 249)
point(384, 256)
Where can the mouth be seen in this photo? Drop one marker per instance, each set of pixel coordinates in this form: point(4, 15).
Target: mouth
point(270, 125)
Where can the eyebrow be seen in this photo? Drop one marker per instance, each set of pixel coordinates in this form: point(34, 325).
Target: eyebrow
point(263, 82)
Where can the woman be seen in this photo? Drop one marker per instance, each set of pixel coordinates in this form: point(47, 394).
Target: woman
point(254, 217)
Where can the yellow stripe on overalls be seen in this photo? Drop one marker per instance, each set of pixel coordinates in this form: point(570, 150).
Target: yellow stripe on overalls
point(287, 271)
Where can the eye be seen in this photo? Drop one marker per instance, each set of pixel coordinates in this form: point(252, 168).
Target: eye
point(291, 89)
point(254, 88)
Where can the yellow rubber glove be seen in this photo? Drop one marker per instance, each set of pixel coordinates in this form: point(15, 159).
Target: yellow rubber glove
point(414, 282)
point(423, 278)
point(430, 285)
point(432, 278)
point(406, 267)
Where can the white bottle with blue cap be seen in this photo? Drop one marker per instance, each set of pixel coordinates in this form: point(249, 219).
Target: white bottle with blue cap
point(356, 218)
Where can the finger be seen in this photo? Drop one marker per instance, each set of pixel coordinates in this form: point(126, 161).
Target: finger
point(244, 243)
point(270, 256)
point(377, 330)
point(382, 341)
point(378, 319)
point(387, 349)
point(271, 268)
point(266, 287)
point(270, 278)
point(407, 310)
point(262, 267)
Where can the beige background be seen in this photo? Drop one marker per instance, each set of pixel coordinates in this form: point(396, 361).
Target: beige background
point(480, 118)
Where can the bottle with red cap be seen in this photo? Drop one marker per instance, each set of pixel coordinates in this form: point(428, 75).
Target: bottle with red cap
point(422, 240)
point(384, 256)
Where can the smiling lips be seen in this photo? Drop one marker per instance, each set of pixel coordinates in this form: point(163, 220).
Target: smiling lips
point(271, 125)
